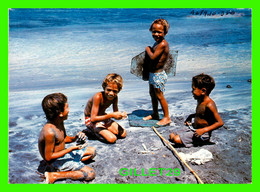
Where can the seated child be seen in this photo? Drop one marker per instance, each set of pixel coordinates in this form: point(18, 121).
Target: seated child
point(65, 162)
point(96, 118)
point(206, 118)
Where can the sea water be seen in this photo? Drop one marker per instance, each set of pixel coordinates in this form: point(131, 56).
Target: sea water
point(72, 50)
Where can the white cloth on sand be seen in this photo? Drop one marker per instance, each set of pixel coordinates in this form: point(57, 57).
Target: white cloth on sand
point(200, 157)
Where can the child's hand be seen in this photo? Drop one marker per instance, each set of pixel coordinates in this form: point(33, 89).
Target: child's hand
point(187, 123)
point(188, 120)
point(75, 147)
point(199, 132)
point(83, 145)
point(118, 115)
point(124, 115)
point(81, 135)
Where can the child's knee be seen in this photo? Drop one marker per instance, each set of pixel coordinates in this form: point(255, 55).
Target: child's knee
point(89, 173)
point(175, 138)
point(159, 95)
point(121, 132)
point(106, 135)
point(171, 136)
point(91, 151)
point(123, 135)
point(111, 138)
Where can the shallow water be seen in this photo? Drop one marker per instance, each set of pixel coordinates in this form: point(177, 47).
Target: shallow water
point(71, 51)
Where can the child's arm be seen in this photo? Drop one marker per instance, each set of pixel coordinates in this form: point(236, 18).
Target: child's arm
point(80, 135)
point(95, 109)
point(189, 118)
point(115, 108)
point(50, 145)
point(213, 108)
point(158, 52)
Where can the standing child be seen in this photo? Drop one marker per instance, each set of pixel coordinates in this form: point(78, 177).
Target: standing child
point(96, 118)
point(66, 163)
point(158, 55)
point(206, 118)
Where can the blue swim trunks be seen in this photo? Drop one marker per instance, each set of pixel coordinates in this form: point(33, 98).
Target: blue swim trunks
point(69, 162)
point(158, 80)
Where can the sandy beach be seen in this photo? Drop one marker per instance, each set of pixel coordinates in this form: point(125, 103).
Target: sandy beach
point(72, 50)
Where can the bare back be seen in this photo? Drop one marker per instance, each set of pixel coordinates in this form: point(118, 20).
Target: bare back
point(51, 139)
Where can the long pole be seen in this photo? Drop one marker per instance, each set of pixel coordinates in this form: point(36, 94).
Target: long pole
point(175, 151)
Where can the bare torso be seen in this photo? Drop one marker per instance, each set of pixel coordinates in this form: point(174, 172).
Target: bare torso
point(161, 60)
point(58, 137)
point(203, 117)
point(104, 104)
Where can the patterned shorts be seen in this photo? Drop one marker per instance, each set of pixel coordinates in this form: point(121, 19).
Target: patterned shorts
point(158, 80)
point(72, 160)
point(69, 162)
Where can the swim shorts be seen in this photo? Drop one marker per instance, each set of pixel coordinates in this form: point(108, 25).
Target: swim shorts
point(188, 139)
point(158, 80)
point(106, 123)
point(69, 162)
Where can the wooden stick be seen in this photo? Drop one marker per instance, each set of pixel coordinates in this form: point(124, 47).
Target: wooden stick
point(200, 181)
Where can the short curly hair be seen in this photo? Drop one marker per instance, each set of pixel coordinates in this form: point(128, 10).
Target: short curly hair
point(114, 78)
point(204, 81)
point(163, 22)
point(53, 104)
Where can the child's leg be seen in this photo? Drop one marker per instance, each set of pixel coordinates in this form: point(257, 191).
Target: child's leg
point(116, 129)
point(89, 153)
point(154, 99)
point(166, 119)
point(86, 173)
point(175, 138)
point(104, 134)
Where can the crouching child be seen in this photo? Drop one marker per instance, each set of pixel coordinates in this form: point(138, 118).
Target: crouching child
point(64, 163)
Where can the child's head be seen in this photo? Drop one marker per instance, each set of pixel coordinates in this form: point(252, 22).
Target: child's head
point(204, 81)
point(53, 105)
point(162, 22)
point(113, 78)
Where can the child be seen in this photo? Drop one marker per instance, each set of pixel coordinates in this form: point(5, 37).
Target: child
point(158, 55)
point(97, 120)
point(206, 118)
point(53, 138)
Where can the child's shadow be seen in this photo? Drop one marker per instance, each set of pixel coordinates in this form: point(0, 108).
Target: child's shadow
point(136, 118)
point(89, 134)
point(141, 113)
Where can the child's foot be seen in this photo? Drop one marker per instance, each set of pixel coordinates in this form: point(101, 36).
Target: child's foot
point(150, 117)
point(90, 153)
point(171, 137)
point(48, 179)
point(85, 158)
point(165, 121)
